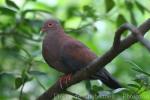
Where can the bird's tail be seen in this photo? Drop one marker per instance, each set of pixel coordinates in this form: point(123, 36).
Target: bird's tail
point(107, 79)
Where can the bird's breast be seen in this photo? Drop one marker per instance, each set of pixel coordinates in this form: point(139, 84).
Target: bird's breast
point(51, 54)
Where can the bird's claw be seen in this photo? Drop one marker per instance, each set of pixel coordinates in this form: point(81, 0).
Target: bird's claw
point(64, 80)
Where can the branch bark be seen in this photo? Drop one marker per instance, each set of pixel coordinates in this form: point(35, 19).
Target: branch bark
point(134, 31)
point(98, 63)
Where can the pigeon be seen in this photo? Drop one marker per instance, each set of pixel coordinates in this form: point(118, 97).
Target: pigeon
point(68, 55)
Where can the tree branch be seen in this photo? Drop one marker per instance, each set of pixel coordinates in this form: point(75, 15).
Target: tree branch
point(134, 31)
point(144, 42)
point(98, 63)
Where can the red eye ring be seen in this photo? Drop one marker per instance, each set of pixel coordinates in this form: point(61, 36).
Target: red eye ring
point(49, 25)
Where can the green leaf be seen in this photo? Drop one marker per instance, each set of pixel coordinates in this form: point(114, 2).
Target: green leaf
point(120, 20)
point(129, 4)
point(11, 4)
point(119, 90)
point(95, 89)
point(88, 85)
point(34, 11)
point(72, 11)
point(142, 80)
point(134, 85)
point(3, 41)
point(134, 64)
point(24, 76)
point(26, 51)
point(89, 11)
point(104, 93)
point(36, 73)
point(7, 74)
point(7, 11)
point(141, 71)
point(86, 8)
point(18, 82)
point(21, 80)
point(140, 6)
point(109, 5)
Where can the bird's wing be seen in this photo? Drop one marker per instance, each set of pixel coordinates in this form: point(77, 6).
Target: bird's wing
point(75, 55)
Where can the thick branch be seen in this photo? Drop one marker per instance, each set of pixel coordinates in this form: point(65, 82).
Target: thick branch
point(96, 64)
point(144, 42)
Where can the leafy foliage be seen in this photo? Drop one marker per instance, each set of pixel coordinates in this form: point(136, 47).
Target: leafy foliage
point(109, 5)
point(23, 73)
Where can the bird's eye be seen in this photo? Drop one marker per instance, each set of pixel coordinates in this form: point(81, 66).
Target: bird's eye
point(49, 25)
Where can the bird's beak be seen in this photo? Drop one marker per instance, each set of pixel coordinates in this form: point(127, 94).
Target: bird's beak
point(41, 31)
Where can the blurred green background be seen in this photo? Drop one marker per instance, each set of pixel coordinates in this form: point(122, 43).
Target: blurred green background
point(24, 74)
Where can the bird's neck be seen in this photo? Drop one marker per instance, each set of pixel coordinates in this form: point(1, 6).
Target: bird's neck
point(55, 34)
point(55, 38)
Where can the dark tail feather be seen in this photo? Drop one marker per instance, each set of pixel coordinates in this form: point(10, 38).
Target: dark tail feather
point(107, 79)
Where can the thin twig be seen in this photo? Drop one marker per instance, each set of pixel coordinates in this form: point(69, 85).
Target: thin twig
point(143, 41)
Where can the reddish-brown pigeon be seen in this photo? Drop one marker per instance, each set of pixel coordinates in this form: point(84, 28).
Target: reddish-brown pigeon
point(68, 55)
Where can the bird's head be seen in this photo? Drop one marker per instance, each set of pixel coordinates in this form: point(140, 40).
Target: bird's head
point(51, 26)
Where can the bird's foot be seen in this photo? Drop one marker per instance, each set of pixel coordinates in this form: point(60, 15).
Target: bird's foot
point(64, 80)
